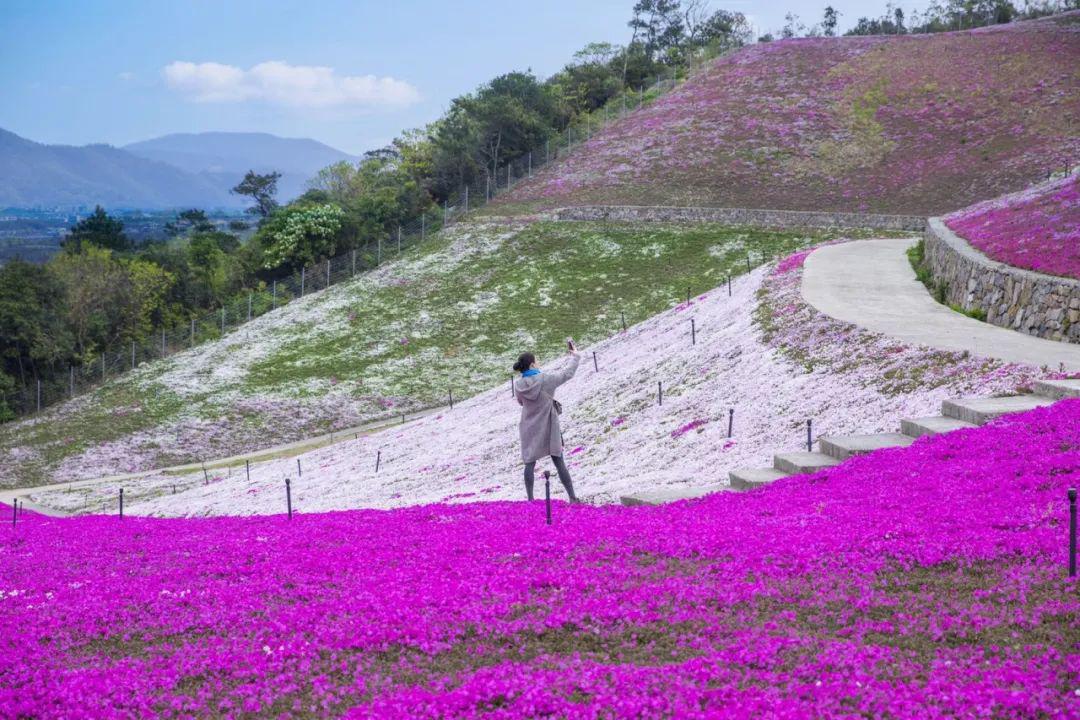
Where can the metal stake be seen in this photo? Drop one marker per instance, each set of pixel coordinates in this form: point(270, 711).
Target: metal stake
point(730, 420)
point(451, 399)
point(247, 469)
point(302, 281)
point(810, 435)
point(288, 496)
point(378, 460)
point(596, 368)
point(623, 314)
point(1072, 532)
point(273, 298)
point(693, 332)
point(328, 273)
point(547, 494)
point(121, 503)
point(729, 286)
point(299, 473)
point(659, 392)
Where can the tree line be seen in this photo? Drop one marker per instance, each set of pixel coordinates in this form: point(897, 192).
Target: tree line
point(104, 291)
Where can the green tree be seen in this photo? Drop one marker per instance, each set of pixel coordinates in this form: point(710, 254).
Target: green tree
point(659, 23)
point(261, 189)
point(98, 229)
point(33, 335)
point(298, 235)
point(828, 24)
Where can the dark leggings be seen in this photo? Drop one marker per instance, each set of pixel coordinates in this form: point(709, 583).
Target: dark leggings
point(560, 467)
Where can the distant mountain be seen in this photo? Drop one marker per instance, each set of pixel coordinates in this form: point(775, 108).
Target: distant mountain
point(36, 175)
point(223, 157)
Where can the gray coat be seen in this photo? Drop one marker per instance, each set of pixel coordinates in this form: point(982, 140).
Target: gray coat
point(540, 433)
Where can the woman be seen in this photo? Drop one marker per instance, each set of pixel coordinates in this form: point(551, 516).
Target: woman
point(540, 433)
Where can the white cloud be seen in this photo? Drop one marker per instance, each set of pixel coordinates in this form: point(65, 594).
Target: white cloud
point(280, 83)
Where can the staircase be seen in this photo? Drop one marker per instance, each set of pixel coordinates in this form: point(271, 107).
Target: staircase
point(834, 449)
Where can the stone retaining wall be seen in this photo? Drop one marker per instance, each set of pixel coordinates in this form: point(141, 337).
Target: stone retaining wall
point(741, 216)
point(1030, 302)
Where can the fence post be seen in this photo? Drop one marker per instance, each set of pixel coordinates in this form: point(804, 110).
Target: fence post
point(132, 354)
point(249, 306)
point(444, 205)
point(102, 365)
point(39, 395)
point(810, 435)
point(547, 494)
point(222, 319)
point(730, 421)
point(299, 472)
point(508, 180)
point(378, 255)
point(660, 393)
point(288, 496)
point(378, 460)
point(530, 164)
point(423, 225)
point(547, 151)
point(693, 332)
point(327, 272)
point(192, 332)
point(273, 300)
point(1072, 532)
point(729, 285)
point(466, 199)
point(162, 342)
point(451, 398)
point(121, 503)
point(398, 239)
point(302, 280)
point(71, 381)
point(354, 262)
point(247, 469)
point(595, 366)
point(487, 186)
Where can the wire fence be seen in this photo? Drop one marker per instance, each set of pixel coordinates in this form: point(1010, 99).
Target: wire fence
point(371, 252)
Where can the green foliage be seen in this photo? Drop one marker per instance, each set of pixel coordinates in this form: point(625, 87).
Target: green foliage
point(261, 189)
point(100, 230)
point(300, 234)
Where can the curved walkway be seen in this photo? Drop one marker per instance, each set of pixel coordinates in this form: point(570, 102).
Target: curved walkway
point(870, 283)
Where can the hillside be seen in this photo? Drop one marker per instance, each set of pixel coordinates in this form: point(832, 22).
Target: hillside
point(920, 124)
point(224, 157)
point(761, 351)
point(450, 315)
point(36, 175)
point(1036, 229)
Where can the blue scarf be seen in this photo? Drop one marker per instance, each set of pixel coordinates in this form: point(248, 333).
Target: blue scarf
point(530, 372)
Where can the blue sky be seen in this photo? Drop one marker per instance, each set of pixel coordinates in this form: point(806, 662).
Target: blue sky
point(351, 74)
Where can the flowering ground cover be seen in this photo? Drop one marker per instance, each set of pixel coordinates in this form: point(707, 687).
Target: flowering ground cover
point(919, 582)
point(450, 316)
point(762, 351)
point(1037, 229)
point(920, 124)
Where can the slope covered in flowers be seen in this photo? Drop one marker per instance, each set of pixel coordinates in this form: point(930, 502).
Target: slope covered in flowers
point(450, 316)
point(922, 582)
point(1037, 229)
point(920, 124)
point(618, 438)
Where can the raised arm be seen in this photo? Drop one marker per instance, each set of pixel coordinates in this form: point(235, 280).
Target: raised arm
point(566, 372)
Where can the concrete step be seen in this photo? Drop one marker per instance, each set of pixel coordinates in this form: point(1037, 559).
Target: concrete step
point(981, 410)
point(842, 447)
point(747, 478)
point(917, 427)
point(1058, 389)
point(798, 463)
point(663, 496)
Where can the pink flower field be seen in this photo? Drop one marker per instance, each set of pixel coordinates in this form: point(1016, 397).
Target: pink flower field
point(919, 124)
point(922, 582)
point(1038, 229)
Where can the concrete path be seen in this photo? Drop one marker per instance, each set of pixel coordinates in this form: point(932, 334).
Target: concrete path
point(870, 283)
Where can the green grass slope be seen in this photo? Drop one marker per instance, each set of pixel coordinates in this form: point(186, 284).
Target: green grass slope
point(919, 124)
point(450, 315)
